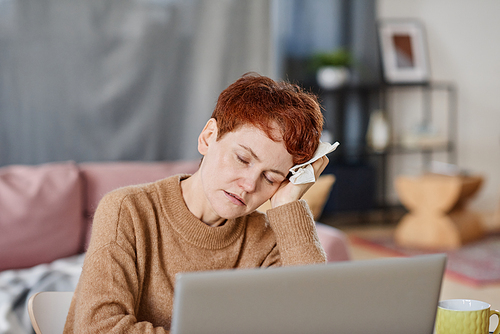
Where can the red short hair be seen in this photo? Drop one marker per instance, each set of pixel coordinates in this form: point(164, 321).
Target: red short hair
point(262, 102)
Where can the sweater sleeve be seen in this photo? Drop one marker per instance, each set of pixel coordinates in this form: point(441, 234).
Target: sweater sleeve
point(296, 237)
point(107, 296)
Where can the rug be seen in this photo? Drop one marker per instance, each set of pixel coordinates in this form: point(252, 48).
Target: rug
point(476, 263)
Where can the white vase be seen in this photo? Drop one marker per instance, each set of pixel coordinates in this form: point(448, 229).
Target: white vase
point(378, 134)
point(330, 77)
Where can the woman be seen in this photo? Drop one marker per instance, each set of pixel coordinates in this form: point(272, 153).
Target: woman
point(144, 235)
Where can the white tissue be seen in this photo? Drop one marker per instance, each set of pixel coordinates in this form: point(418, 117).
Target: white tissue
point(304, 173)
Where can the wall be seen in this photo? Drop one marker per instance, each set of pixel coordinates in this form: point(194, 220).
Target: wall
point(463, 43)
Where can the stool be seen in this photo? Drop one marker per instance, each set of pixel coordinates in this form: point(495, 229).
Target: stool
point(437, 217)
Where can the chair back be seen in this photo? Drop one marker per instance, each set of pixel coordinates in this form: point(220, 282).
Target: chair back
point(48, 311)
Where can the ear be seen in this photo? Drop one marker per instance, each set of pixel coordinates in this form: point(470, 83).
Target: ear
point(207, 136)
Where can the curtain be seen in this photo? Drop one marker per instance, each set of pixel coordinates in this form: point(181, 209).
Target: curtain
point(104, 80)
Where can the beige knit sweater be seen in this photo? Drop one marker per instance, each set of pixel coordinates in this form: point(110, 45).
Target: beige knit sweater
point(144, 235)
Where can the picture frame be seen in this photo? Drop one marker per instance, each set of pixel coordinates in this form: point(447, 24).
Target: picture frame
point(403, 50)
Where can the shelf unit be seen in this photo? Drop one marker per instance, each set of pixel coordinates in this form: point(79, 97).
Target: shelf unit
point(427, 91)
point(339, 104)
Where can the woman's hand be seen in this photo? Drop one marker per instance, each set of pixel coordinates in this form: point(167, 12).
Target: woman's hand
point(289, 192)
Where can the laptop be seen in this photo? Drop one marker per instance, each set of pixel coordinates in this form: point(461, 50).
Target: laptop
point(389, 295)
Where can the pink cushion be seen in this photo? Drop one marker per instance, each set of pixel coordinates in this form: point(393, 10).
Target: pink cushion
point(334, 242)
point(101, 178)
point(40, 214)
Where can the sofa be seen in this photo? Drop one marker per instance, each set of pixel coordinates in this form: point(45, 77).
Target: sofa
point(46, 210)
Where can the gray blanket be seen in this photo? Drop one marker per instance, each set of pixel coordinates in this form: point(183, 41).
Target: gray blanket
point(17, 286)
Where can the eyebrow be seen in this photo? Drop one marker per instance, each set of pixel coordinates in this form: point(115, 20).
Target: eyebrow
point(252, 153)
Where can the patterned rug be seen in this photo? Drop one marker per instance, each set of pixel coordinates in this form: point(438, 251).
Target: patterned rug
point(476, 263)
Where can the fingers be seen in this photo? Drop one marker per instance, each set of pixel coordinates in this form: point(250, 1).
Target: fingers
point(289, 192)
point(320, 165)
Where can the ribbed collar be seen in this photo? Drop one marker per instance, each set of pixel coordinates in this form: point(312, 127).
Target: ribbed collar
point(188, 226)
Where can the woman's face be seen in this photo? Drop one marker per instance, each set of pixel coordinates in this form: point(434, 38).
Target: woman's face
point(242, 170)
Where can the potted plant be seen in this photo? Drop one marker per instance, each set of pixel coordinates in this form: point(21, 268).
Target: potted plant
point(332, 68)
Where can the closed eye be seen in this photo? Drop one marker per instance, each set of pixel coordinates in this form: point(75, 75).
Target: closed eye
point(243, 161)
point(268, 180)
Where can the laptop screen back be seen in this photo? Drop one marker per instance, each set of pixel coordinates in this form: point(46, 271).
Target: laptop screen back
point(391, 295)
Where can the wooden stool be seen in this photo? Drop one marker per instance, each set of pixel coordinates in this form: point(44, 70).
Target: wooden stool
point(438, 218)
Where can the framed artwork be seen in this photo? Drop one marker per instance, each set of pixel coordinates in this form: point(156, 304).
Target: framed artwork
point(404, 51)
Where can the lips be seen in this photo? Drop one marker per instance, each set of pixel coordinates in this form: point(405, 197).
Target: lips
point(235, 199)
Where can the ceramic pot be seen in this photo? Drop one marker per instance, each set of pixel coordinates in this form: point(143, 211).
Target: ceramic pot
point(330, 77)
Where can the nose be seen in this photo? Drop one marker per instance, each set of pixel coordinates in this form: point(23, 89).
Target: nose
point(248, 181)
